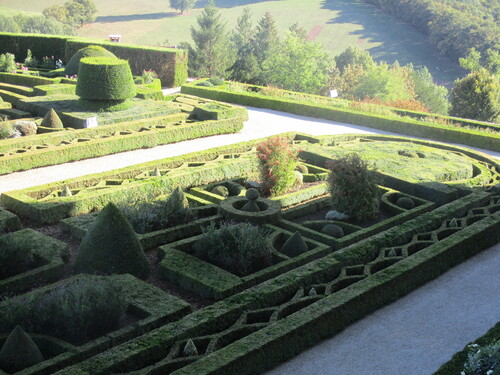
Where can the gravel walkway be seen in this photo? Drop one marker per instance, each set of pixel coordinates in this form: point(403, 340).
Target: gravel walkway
point(414, 335)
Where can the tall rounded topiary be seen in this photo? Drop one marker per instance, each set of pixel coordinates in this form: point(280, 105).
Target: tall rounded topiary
point(90, 51)
point(111, 246)
point(19, 351)
point(104, 83)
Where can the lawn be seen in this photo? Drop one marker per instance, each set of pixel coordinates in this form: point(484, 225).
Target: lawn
point(334, 23)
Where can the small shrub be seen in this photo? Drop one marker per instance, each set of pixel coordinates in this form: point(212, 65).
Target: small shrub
point(333, 230)
point(239, 248)
point(205, 84)
point(8, 63)
point(277, 161)
point(484, 361)
point(216, 81)
point(14, 258)
point(406, 203)
point(353, 187)
point(221, 190)
point(74, 311)
point(26, 128)
point(19, 351)
point(52, 120)
point(294, 246)
point(158, 214)
point(30, 61)
point(111, 246)
point(148, 76)
point(335, 215)
point(6, 130)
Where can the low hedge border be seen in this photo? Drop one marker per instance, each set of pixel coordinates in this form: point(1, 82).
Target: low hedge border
point(50, 255)
point(17, 89)
point(54, 89)
point(26, 79)
point(406, 126)
point(84, 148)
point(9, 222)
point(456, 364)
point(78, 226)
point(350, 237)
point(151, 305)
point(180, 266)
point(276, 342)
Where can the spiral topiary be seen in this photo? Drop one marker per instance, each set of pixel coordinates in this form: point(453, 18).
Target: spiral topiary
point(104, 83)
point(90, 51)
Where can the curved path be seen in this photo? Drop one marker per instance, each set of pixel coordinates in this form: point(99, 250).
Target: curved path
point(262, 123)
point(414, 335)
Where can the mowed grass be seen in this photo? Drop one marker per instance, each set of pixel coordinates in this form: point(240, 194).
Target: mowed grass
point(336, 24)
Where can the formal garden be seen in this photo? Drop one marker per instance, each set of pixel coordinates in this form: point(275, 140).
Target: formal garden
point(228, 260)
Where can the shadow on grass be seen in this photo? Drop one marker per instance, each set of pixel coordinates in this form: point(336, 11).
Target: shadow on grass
point(231, 3)
point(136, 17)
point(398, 40)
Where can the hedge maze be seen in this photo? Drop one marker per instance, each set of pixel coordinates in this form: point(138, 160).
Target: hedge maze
point(316, 274)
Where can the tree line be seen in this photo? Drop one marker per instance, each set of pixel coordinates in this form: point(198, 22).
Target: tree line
point(454, 27)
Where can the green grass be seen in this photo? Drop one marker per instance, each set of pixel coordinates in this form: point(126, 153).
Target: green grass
point(336, 24)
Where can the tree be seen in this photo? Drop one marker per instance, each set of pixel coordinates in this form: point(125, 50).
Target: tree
point(266, 40)
point(57, 12)
point(9, 25)
point(298, 65)
point(89, 10)
point(212, 53)
point(355, 57)
point(477, 96)
point(182, 5)
point(434, 97)
point(246, 67)
point(73, 12)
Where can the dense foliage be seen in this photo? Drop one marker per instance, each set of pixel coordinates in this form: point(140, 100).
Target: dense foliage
point(353, 187)
point(34, 24)
point(73, 13)
point(182, 5)
point(239, 248)
point(278, 160)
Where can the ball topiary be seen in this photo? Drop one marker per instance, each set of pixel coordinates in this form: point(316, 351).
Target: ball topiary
point(19, 351)
point(405, 202)
point(52, 120)
point(333, 230)
point(302, 168)
point(221, 190)
point(252, 194)
point(90, 51)
point(111, 246)
point(105, 78)
point(294, 246)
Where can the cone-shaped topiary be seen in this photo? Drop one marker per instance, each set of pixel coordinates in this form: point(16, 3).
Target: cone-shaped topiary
point(105, 78)
point(312, 292)
point(190, 349)
point(66, 192)
point(294, 246)
point(19, 351)
point(111, 246)
point(90, 51)
point(251, 206)
point(177, 202)
point(156, 172)
point(52, 120)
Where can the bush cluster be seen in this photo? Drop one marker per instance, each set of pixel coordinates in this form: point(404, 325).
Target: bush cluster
point(278, 159)
point(485, 360)
point(238, 248)
point(75, 311)
point(353, 187)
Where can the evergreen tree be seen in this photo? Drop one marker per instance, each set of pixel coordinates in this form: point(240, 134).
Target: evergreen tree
point(355, 57)
point(212, 53)
point(266, 40)
point(246, 67)
point(434, 97)
point(183, 5)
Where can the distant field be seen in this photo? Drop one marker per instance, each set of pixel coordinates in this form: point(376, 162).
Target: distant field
point(334, 23)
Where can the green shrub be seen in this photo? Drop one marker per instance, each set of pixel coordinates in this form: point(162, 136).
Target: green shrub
point(484, 361)
point(14, 258)
point(8, 63)
point(159, 214)
point(90, 51)
point(30, 61)
point(52, 120)
point(406, 203)
point(216, 81)
point(333, 230)
point(148, 76)
point(205, 84)
point(19, 351)
point(75, 310)
point(294, 245)
point(111, 246)
point(221, 190)
point(105, 78)
point(238, 248)
point(6, 130)
point(353, 187)
point(277, 162)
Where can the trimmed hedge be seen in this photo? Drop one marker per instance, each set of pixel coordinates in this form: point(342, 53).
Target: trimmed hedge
point(73, 64)
point(25, 79)
point(169, 64)
point(50, 257)
point(8, 221)
point(104, 78)
point(267, 324)
point(410, 127)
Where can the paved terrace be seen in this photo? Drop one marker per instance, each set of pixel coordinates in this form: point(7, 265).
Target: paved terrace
point(412, 336)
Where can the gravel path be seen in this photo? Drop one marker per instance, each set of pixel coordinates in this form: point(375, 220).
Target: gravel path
point(262, 123)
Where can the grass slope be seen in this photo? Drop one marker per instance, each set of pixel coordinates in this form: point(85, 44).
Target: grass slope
point(334, 23)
